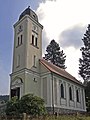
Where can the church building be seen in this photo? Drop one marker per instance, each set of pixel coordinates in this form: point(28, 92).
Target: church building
point(61, 91)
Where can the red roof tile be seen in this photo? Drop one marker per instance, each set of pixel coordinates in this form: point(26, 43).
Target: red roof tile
point(53, 68)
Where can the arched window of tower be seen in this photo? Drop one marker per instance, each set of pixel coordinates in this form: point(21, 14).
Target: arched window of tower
point(34, 64)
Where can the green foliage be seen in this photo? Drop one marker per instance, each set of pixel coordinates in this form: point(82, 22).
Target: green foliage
point(84, 66)
point(65, 117)
point(32, 105)
point(61, 117)
point(87, 95)
point(29, 104)
point(54, 55)
point(12, 107)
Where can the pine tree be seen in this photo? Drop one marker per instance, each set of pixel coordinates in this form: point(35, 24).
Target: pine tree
point(54, 55)
point(84, 66)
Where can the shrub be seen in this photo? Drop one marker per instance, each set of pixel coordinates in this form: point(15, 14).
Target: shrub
point(28, 104)
point(12, 107)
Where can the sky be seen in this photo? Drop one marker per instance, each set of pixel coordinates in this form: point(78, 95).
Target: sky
point(63, 20)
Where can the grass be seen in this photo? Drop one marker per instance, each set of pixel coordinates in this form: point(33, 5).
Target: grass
point(69, 117)
point(60, 117)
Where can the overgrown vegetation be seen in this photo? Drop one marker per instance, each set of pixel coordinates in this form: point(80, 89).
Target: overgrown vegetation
point(62, 117)
point(29, 104)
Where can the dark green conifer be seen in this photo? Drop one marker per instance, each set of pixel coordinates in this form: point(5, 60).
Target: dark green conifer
point(54, 55)
point(84, 62)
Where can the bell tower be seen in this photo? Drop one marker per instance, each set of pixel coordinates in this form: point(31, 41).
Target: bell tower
point(26, 54)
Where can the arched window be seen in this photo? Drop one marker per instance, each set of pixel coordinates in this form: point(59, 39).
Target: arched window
point(70, 93)
point(34, 64)
point(21, 39)
point(77, 95)
point(33, 39)
point(18, 61)
point(62, 91)
point(18, 41)
point(36, 41)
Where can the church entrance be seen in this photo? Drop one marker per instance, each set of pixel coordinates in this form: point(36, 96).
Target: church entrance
point(15, 92)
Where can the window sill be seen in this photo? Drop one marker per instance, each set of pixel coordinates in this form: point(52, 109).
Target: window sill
point(34, 66)
point(71, 100)
point(35, 46)
point(78, 102)
point(18, 66)
point(18, 45)
point(62, 98)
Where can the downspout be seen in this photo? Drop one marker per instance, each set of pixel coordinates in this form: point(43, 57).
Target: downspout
point(52, 93)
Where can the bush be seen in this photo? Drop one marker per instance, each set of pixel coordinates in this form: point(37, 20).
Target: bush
point(12, 107)
point(28, 104)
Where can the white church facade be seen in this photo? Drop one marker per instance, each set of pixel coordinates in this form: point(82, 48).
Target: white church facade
point(32, 74)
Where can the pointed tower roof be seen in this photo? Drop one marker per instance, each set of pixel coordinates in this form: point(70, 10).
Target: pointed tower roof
point(29, 12)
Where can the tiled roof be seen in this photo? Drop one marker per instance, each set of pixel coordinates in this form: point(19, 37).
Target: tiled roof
point(53, 68)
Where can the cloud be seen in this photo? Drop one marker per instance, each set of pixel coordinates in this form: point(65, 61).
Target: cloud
point(45, 41)
point(72, 60)
point(59, 15)
point(72, 36)
point(65, 21)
